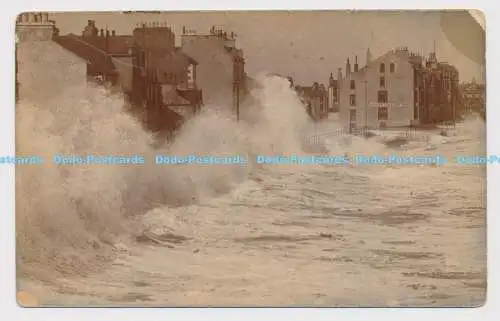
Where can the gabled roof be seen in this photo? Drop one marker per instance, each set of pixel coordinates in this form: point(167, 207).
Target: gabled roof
point(89, 52)
point(113, 45)
point(398, 55)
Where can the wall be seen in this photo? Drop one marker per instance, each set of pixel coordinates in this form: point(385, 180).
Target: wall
point(332, 99)
point(33, 26)
point(214, 72)
point(125, 69)
point(155, 39)
point(399, 86)
point(172, 68)
point(185, 111)
point(46, 69)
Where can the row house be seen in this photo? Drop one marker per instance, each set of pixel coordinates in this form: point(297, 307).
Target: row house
point(158, 79)
point(315, 98)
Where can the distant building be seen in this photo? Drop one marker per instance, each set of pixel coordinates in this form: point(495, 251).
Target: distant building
point(315, 99)
point(437, 95)
point(221, 66)
point(333, 93)
point(397, 89)
point(473, 97)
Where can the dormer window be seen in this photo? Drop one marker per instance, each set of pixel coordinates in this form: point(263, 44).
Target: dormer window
point(382, 67)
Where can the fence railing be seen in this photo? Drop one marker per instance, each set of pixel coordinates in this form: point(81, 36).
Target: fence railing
point(409, 133)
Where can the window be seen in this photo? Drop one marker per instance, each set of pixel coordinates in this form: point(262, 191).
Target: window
point(383, 113)
point(382, 81)
point(382, 67)
point(392, 67)
point(352, 100)
point(353, 84)
point(382, 96)
point(352, 115)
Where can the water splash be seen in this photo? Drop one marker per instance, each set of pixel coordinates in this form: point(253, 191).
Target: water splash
point(70, 217)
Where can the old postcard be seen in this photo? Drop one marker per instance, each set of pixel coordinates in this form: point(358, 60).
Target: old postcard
point(251, 158)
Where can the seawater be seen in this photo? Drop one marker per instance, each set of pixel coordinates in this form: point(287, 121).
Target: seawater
point(260, 234)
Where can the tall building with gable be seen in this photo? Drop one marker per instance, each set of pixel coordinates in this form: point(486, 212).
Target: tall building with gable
point(397, 89)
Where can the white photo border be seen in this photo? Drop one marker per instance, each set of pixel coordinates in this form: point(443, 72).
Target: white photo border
point(12, 311)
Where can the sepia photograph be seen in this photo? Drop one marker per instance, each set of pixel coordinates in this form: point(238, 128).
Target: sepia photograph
point(330, 158)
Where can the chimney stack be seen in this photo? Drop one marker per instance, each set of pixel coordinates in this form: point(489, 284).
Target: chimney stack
point(356, 64)
point(348, 68)
point(102, 33)
point(339, 74)
point(368, 56)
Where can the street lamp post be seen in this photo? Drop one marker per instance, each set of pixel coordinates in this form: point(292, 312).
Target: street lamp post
point(365, 82)
point(454, 89)
point(236, 84)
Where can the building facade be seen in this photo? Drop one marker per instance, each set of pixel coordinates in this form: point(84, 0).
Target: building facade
point(473, 97)
point(44, 68)
point(164, 78)
point(157, 78)
point(397, 89)
point(437, 96)
point(333, 93)
point(315, 99)
point(221, 66)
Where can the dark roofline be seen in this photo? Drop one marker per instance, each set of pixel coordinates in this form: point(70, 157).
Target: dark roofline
point(83, 50)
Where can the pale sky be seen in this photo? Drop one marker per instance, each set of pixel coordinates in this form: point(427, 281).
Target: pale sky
point(310, 45)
